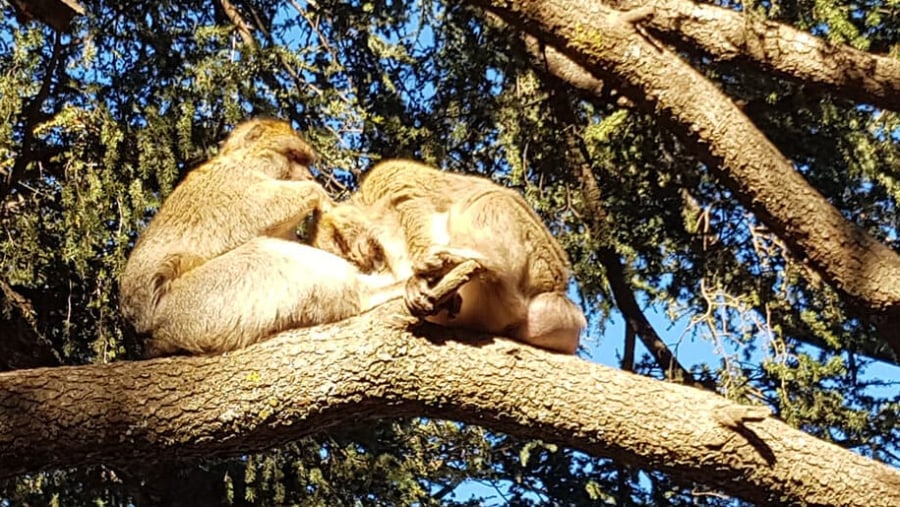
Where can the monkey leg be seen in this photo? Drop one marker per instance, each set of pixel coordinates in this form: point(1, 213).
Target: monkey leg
point(377, 289)
point(512, 238)
point(521, 293)
point(260, 288)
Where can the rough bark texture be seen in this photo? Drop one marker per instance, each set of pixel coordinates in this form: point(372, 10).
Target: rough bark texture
point(308, 381)
point(727, 35)
point(862, 269)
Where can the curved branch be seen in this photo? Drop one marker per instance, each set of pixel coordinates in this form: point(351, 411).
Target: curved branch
point(549, 61)
point(31, 116)
point(864, 271)
point(307, 381)
point(243, 28)
point(727, 35)
point(22, 345)
point(638, 324)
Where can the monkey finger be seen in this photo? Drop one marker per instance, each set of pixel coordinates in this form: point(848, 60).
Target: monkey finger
point(420, 299)
point(436, 265)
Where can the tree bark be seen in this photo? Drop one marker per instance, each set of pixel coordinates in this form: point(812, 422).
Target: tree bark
point(864, 271)
point(307, 381)
point(548, 60)
point(725, 35)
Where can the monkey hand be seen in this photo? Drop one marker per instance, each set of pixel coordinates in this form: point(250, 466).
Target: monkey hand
point(432, 288)
point(423, 300)
point(326, 203)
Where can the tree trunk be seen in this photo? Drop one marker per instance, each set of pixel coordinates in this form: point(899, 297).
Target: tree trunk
point(863, 270)
point(307, 381)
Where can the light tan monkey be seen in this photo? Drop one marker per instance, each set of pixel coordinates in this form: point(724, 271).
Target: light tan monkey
point(425, 220)
point(219, 267)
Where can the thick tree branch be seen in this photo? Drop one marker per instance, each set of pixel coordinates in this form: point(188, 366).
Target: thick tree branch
point(863, 270)
point(307, 381)
point(548, 60)
point(773, 47)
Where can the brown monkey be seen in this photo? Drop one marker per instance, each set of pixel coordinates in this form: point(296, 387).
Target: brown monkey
point(219, 267)
point(425, 220)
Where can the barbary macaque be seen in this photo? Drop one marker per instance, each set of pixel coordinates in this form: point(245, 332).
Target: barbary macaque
point(219, 267)
point(423, 220)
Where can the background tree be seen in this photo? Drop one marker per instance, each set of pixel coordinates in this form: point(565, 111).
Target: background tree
point(101, 124)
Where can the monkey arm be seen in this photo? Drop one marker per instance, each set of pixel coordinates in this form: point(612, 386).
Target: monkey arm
point(424, 227)
point(401, 180)
point(279, 206)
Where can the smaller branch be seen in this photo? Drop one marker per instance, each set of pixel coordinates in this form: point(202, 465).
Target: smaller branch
point(628, 354)
point(243, 28)
point(736, 416)
point(31, 116)
point(22, 345)
point(557, 64)
point(553, 63)
point(636, 15)
point(638, 323)
point(623, 295)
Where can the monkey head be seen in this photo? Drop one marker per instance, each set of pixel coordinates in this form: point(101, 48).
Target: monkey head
point(347, 232)
point(279, 139)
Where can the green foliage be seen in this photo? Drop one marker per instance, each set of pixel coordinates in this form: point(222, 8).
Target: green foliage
point(98, 127)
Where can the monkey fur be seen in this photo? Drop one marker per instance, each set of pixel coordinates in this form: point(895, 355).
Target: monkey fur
point(219, 267)
point(422, 220)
